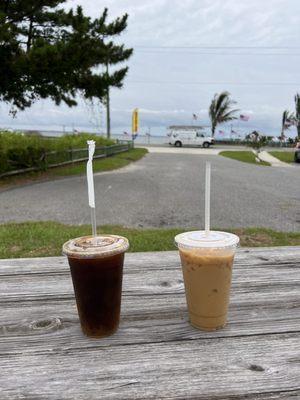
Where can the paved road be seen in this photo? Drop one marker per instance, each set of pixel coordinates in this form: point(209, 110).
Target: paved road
point(164, 190)
point(183, 150)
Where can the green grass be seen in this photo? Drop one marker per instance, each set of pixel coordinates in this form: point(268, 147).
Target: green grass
point(41, 239)
point(103, 164)
point(100, 165)
point(285, 156)
point(244, 156)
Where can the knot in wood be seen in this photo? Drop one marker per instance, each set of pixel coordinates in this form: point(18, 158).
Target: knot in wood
point(46, 324)
point(257, 368)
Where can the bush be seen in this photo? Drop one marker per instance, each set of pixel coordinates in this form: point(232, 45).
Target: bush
point(18, 151)
point(257, 141)
point(3, 160)
point(20, 158)
point(75, 141)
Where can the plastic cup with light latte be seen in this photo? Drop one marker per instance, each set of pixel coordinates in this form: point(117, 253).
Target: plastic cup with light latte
point(207, 261)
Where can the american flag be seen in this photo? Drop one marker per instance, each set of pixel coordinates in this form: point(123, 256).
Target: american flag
point(244, 117)
point(195, 116)
point(221, 132)
point(125, 133)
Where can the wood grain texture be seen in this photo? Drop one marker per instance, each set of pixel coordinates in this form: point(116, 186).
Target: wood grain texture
point(155, 354)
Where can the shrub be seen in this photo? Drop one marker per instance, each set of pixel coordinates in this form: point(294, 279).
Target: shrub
point(28, 157)
point(75, 141)
point(18, 151)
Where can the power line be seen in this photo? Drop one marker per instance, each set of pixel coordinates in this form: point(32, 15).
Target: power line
point(215, 54)
point(219, 47)
point(216, 83)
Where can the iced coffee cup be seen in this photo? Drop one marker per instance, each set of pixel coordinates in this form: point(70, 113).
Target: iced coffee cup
point(207, 267)
point(96, 265)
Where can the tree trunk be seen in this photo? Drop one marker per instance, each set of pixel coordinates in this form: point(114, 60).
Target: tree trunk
point(29, 39)
point(213, 128)
point(107, 109)
point(282, 135)
point(108, 114)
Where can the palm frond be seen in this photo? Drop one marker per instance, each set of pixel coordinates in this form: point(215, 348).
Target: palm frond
point(230, 115)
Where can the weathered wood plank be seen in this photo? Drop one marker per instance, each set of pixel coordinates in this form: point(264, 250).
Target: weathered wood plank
point(156, 353)
point(246, 281)
point(155, 314)
point(254, 257)
point(199, 369)
point(154, 306)
point(38, 326)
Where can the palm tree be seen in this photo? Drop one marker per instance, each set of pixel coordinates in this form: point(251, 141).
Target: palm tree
point(297, 114)
point(220, 110)
point(287, 118)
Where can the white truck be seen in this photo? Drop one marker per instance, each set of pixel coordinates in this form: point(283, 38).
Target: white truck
point(190, 136)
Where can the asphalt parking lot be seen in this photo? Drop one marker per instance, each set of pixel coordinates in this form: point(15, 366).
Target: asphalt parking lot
point(166, 190)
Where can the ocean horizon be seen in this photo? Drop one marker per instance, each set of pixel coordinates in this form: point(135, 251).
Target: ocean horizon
point(156, 135)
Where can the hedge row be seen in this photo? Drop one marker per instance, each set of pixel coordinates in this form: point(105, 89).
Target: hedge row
point(19, 151)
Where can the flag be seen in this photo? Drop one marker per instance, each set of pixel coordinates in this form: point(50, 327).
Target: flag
point(244, 117)
point(125, 133)
point(221, 132)
point(195, 116)
point(135, 121)
point(234, 132)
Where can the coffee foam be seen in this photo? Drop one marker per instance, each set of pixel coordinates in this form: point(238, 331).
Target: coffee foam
point(95, 247)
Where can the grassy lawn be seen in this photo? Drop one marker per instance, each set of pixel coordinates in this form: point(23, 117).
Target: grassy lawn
point(41, 239)
point(103, 164)
point(285, 156)
point(100, 165)
point(244, 156)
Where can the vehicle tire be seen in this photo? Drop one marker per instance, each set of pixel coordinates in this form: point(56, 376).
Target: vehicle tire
point(206, 145)
point(178, 144)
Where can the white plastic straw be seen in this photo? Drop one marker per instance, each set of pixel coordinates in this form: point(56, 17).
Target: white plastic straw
point(90, 181)
point(207, 197)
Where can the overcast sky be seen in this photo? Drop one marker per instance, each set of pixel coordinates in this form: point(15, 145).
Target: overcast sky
point(175, 71)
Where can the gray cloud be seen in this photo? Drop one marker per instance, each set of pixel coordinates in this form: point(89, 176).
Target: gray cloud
point(168, 85)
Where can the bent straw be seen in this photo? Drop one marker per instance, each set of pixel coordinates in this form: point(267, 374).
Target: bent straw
point(90, 181)
point(207, 197)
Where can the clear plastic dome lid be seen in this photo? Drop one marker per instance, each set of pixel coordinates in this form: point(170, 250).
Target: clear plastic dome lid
point(199, 239)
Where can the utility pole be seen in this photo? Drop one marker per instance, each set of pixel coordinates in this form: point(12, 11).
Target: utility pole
point(107, 107)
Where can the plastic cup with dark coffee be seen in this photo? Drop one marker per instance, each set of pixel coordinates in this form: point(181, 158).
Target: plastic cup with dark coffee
point(96, 265)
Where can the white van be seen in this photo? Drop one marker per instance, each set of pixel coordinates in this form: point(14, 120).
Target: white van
point(189, 136)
